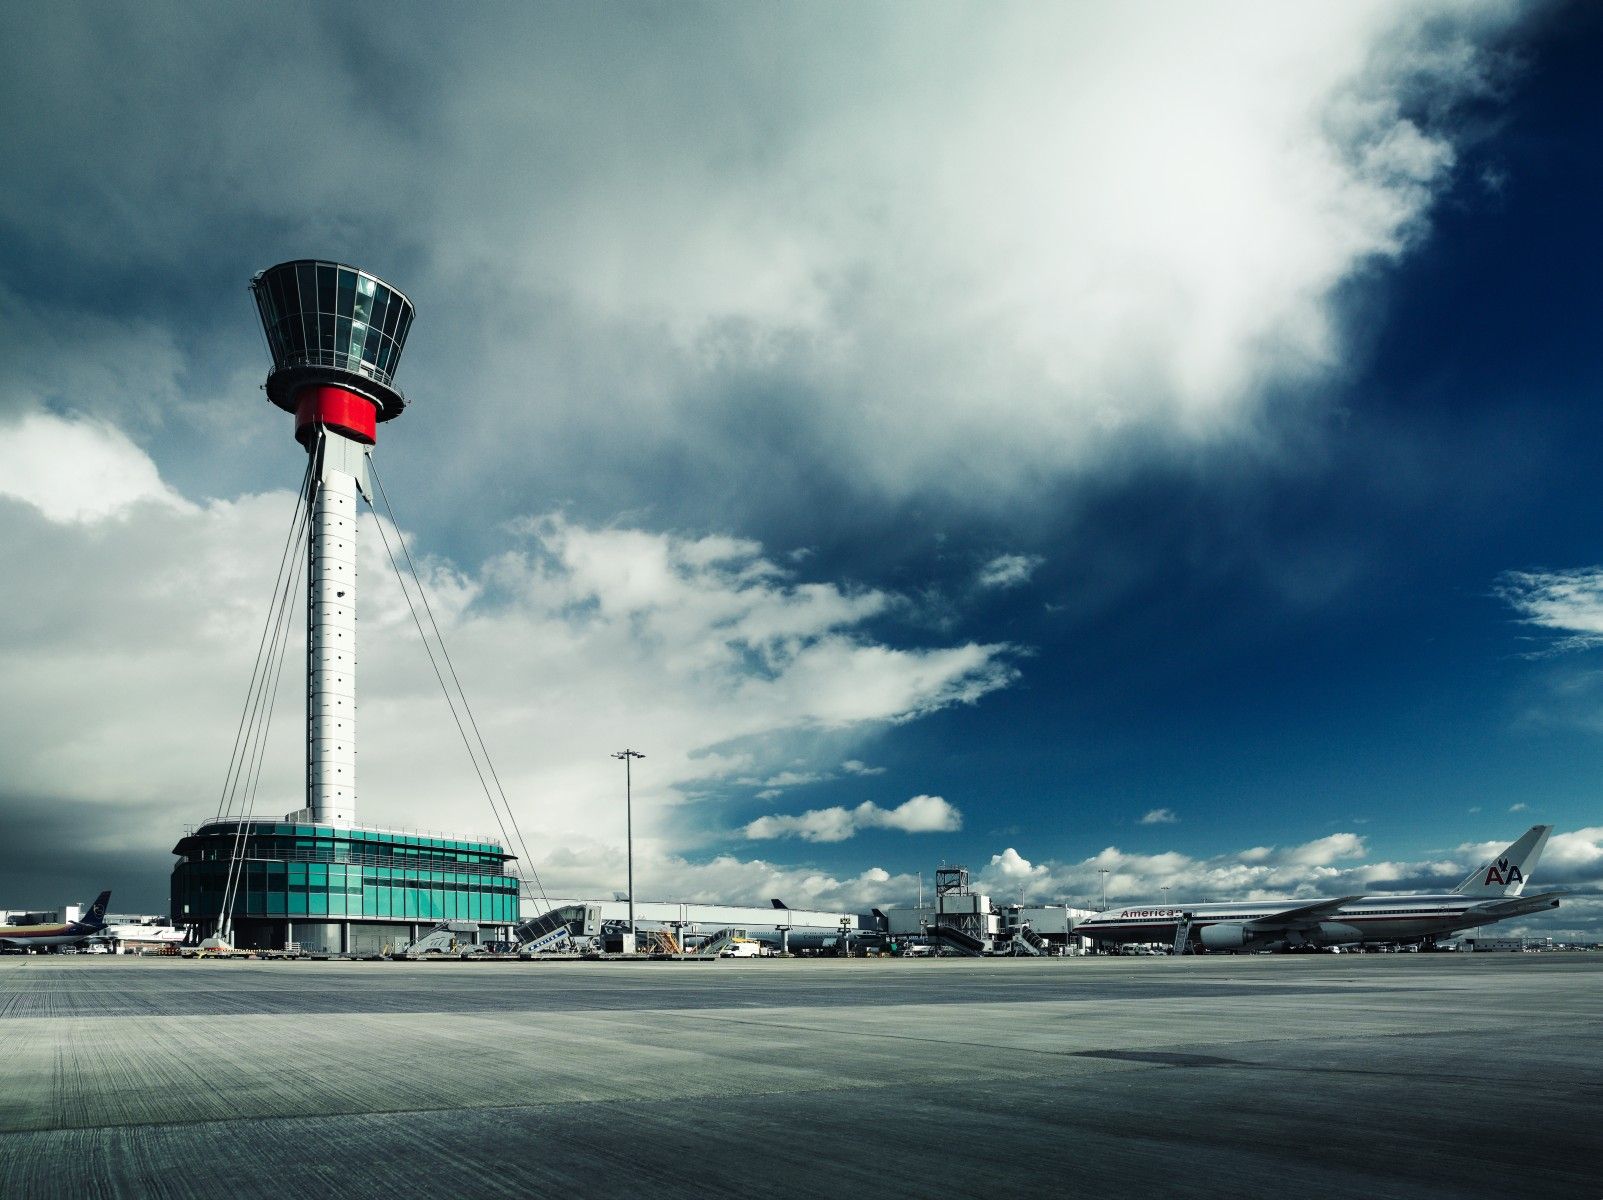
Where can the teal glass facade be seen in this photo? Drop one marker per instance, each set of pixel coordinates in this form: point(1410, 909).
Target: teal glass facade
point(318, 873)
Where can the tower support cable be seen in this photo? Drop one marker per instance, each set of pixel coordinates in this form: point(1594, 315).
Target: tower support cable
point(467, 709)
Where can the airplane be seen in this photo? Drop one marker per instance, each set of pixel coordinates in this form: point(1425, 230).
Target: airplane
point(26, 937)
point(1492, 892)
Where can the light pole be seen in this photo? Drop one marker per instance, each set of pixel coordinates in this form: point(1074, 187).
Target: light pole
point(629, 828)
point(1103, 871)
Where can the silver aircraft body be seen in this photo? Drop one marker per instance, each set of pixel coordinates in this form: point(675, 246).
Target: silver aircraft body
point(1492, 892)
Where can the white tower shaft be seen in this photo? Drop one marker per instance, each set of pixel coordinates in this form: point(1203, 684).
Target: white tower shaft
point(340, 474)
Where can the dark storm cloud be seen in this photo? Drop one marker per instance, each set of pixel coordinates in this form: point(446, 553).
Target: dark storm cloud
point(62, 851)
point(722, 266)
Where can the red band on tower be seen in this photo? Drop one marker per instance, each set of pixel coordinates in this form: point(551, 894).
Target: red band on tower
point(340, 410)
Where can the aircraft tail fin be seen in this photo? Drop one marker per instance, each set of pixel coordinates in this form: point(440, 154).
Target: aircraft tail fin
point(95, 918)
point(1506, 874)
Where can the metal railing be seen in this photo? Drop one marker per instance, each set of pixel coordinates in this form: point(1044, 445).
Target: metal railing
point(253, 853)
point(340, 360)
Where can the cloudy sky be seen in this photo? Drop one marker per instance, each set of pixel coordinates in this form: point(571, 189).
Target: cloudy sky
point(1159, 437)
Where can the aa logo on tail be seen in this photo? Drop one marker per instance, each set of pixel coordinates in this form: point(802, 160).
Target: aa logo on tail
point(1503, 872)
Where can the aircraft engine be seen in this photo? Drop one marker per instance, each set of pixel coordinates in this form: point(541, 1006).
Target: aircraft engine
point(1227, 935)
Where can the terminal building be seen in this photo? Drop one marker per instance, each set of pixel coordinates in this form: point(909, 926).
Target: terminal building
point(339, 890)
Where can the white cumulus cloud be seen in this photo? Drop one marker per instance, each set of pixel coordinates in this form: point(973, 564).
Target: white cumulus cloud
point(1160, 816)
point(853, 766)
point(77, 468)
point(126, 656)
point(1565, 602)
point(921, 814)
point(1008, 570)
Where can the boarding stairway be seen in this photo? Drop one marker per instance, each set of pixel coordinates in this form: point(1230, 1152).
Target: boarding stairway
point(1182, 934)
point(448, 937)
point(713, 944)
point(1026, 942)
point(956, 939)
point(660, 941)
point(557, 930)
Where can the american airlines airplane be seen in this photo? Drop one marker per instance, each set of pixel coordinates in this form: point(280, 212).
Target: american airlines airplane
point(27, 937)
point(1492, 892)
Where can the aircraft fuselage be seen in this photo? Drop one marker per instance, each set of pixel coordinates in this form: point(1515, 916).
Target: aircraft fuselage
point(1370, 919)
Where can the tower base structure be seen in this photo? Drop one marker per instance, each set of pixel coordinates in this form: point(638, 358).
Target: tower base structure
point(339, 889)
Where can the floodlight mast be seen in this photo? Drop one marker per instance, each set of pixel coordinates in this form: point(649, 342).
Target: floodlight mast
point(629, 834)
point(336, 334)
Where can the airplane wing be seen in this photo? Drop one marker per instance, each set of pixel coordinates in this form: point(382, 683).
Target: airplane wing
point(1306, 915)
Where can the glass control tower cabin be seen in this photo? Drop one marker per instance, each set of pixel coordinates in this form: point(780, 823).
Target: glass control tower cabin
point(314, 876)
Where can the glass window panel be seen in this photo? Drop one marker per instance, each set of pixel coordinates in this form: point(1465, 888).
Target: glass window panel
point(363, 310)
point(347, 294)
point(381, 304)
point(317, 875)
point(325, 289)
point(392, 315)
point(319, 904)
point(306, 279)
point(405, 324)
point(358, 339)
point(297, 904)
point(291, 293)
point(336, 904)
point(342, 335)
point(282, 304)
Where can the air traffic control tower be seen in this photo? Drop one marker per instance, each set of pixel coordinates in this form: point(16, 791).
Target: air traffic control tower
point(314, 876)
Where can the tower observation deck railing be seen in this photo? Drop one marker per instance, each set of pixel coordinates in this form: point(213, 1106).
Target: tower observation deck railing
point(253, 853)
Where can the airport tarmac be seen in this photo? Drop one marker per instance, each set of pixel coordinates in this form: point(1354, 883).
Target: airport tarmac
point(1444, 1075)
